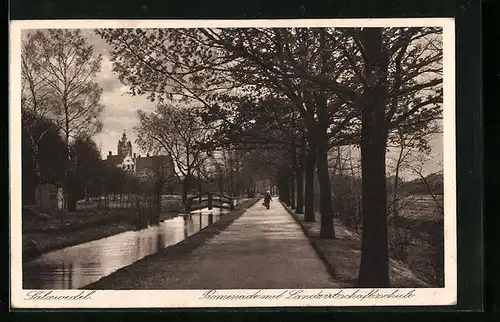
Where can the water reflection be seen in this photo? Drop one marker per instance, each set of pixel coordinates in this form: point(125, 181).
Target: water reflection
point(76, 266)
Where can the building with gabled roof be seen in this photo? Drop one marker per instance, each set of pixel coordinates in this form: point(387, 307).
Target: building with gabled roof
point(141, 166)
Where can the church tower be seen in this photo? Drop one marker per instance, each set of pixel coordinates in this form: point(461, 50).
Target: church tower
point(124, 146)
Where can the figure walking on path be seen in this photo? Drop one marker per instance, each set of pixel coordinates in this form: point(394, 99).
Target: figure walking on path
point(267, 199)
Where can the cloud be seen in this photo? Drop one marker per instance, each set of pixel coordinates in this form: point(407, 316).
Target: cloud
point(108, 84)
point(107, 80)
point(100, 45)
point(120, 109)
point(120, 113)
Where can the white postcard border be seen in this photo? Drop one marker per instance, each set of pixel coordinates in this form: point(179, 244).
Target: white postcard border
point(195, 298)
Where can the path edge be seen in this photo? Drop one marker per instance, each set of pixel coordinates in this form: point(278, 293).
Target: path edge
point(415, 281)
point(318, 252)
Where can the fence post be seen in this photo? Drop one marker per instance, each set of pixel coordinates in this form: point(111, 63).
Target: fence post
point(209, 201)
point(231, 204)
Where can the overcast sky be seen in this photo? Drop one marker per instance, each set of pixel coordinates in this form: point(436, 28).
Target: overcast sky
point(120, 111)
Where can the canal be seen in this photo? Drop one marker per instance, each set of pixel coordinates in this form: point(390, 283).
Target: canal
point(76, 266)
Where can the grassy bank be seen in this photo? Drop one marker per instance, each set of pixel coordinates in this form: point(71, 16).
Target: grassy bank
point(155, 263)
point(343, 255)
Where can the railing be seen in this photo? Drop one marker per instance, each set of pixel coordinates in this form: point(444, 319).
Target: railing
point(209, 200)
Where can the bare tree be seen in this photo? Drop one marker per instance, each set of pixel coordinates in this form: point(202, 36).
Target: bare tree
point(161, 175)
point(67, 67)
point(60, 70)
point(35, 97)
point(409, 147)
point(181, 134)
point(416, 166)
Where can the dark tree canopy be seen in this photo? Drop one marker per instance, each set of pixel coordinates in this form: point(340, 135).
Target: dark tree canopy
point(49, 160)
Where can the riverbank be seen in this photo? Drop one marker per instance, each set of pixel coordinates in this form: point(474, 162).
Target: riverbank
point(43, 233)
point(156, 263)
point(44, 243)
point(343, 255)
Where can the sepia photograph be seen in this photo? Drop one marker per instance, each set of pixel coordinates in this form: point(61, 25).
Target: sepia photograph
point(233, 163)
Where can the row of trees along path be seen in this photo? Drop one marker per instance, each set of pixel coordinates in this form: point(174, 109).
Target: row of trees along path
point(294, 93)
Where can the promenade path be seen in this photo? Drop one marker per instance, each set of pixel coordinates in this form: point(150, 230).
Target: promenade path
point(261, 249)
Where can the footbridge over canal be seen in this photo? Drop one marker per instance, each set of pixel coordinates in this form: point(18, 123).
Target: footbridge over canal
point(209, 200)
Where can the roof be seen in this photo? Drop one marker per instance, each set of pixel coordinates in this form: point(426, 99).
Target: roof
point(143, 162)
point(151, 162)
point(115, 159)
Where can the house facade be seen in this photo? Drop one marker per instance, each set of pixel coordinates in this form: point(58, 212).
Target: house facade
point(143, 167)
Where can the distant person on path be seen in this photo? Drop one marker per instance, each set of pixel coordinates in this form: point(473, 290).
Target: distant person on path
point(267, 199)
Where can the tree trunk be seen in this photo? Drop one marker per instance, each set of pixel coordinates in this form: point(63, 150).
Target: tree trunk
point(185, 188)
point(309, 185)
point(279, 183)
point(105, 201)
point(66, 190)
point(66, 141)
point(293, 171)
point(394, 204)
point(374, 268)
point(36, 164)
point(300, 181)
point(230, 167)
point(221, 185)
point(327, 230)
point(158, 198)
point(285, 188)
point(321, 142)
point(71, 203)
